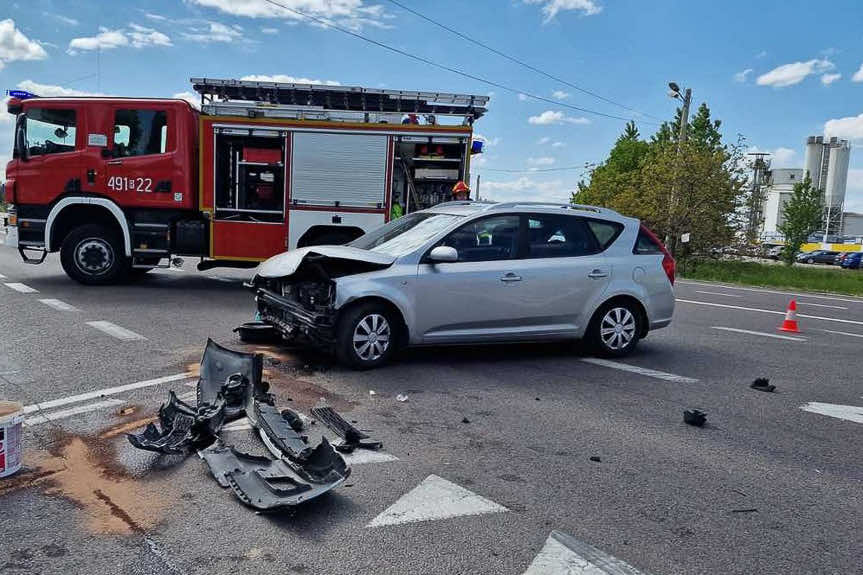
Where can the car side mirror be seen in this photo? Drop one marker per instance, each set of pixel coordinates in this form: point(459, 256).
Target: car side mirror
point(442, 254)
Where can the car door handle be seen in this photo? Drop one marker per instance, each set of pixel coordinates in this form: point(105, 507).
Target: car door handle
point(115, 163)
point(596, 274)
point(510, 277)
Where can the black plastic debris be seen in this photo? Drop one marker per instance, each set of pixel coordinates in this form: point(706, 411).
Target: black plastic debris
point(183, 427)
point(279, 437)
point(257, 332)
point(762, 384)
point(595, 459)
point(233, 374)
point(695, 417)
point(293, 419)
point(352, 438)
point(263, 483)
point(465, 420)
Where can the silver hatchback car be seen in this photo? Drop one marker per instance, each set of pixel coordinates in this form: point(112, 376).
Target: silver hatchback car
point(474, 272)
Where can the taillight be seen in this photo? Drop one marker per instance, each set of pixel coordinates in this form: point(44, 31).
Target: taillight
point(668, 264)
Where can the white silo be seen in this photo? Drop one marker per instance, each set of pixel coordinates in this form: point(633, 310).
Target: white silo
point(813, 159)
point(837, 173)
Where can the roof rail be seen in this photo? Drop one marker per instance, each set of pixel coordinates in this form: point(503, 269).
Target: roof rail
point(581, 207)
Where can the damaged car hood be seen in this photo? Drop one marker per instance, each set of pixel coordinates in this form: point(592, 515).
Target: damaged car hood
point(287, 263)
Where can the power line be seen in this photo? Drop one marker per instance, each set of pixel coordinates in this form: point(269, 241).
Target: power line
point(534, 170)
point(330, 24)
point(519, 62)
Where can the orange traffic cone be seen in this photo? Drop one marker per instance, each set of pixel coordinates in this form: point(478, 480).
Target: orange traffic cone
point(790, 323)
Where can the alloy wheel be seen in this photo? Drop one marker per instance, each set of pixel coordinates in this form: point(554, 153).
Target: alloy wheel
point(371, 337)
point(617, 328)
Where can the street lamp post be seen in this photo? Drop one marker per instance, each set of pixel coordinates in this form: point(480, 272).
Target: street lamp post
point(686, 98)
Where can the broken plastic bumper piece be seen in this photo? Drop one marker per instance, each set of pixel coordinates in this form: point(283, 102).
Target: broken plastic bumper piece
point(182, 427)
point(352, 437)
point(263, 483)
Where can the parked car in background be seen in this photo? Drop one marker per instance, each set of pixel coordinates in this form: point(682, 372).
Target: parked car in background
point(837, 261)
point(817, 257)
point(852, 260)
point(474, 272)
point(773, 252)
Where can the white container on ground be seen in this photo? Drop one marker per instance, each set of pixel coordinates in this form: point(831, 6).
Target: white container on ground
point(11, 422)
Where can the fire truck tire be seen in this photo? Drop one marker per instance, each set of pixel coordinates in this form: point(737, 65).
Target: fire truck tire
point(93, 255)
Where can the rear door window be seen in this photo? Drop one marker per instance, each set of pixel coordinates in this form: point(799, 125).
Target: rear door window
point(604, 232)
point(140, 132)
point(645, 244)
point(50, 131)
point(554, 236)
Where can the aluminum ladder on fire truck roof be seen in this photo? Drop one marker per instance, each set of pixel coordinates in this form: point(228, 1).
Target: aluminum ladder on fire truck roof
point(276, 99)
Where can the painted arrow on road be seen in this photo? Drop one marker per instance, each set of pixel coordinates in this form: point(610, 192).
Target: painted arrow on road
point(563, 554)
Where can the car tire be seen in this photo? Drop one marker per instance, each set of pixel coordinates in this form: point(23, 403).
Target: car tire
point(614, 329)
point(810, 261)
point(93, 255)
point(366, 336)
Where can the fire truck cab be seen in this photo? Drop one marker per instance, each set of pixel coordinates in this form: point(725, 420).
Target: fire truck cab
point(119, 186)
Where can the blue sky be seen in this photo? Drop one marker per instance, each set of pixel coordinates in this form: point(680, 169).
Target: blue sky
point(773, 71)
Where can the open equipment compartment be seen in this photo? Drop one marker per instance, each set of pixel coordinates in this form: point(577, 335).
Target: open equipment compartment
point(250, 174)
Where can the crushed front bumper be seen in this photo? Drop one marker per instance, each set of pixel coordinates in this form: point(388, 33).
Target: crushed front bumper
point(293, 320)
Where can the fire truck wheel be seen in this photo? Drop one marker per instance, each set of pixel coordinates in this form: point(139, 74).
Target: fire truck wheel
point(365, 336)
point(93, 255)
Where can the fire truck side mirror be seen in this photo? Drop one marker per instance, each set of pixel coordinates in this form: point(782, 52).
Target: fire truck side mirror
point(21, 141)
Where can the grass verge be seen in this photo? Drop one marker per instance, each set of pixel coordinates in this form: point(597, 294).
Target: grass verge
point(779, 275)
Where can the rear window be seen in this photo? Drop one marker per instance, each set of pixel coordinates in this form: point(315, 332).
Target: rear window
point(644, 244)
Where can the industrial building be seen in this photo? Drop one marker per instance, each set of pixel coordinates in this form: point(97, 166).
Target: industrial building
point(826, 163)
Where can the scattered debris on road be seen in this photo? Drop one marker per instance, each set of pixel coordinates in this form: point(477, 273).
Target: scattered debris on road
point(401, 397)
point(230, 386)
point(747, 510)
point(352, 438)
point(695, 417)
point(257, 332)
point(465, 420)
point(762, 384)
point(595, 459)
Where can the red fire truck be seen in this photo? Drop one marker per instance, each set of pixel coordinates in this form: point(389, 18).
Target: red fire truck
point(121, 185)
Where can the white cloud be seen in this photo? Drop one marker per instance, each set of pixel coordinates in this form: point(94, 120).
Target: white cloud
point(850, 127)
point(794, 73)
point(156, 17)
point(285, 79)
point(191, 97)
point(213, 32)
point(15, 46)
point(105, 40)
point(858, 75)
point(780, 157)
point(552, 8)
point(550, 117)
point(828, 79)
point(560, 95)
point(557, 145)
point(543, 140)
point(490, 142)
point(52, 90)
point(142, 36)
point(270, 31)
point(522, 97)
point(740, 77)
point(761, 54)
point(541, 161)
point(853, 193)
point(353, 14)
point(527, 189)
point(64, 19)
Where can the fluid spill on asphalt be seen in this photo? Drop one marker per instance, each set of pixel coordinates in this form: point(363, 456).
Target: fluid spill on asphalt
point(85, 472)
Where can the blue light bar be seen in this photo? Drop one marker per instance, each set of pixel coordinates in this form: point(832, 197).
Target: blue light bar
point(21, 94)
point(476, 147)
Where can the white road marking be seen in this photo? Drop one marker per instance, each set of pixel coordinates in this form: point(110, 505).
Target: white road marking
point(116, 331)
point(761, 333)
point(63, 413)
point(565, 555)
point(843, 333)
point(639, 370)
point(849, 412)
point(101, 392)
point(19, 287)
point(820, 304)
point(718, 293)
point(435, 498)
point(238, 425)
point(765, 290)
point(59, 305)
point(773, 311)
point(360, 456)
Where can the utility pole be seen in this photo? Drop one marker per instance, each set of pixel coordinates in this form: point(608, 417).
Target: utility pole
point(477, 186)
point(681, 139)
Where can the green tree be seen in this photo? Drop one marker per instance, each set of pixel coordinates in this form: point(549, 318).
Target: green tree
point(801, 216)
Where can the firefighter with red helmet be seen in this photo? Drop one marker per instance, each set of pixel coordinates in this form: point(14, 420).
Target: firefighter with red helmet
point(460, 191)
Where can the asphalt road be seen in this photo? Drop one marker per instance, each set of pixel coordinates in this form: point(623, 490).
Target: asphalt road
point(766, 487)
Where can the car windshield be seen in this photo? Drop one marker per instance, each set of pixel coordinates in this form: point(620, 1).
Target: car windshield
point(404, 235)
